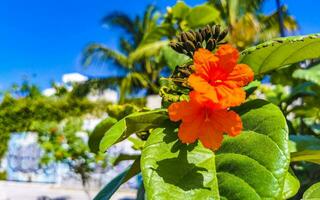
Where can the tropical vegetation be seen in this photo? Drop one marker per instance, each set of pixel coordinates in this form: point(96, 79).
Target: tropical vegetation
point(240, 113)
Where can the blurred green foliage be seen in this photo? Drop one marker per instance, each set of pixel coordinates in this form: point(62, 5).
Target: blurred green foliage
point(66, 143)
point(18, 114)
point(56, 119)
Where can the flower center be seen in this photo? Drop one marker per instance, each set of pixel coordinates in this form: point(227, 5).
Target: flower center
point(215, 82)
point(207, 114)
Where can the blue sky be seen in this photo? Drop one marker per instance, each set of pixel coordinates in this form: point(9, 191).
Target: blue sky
point(41, 39)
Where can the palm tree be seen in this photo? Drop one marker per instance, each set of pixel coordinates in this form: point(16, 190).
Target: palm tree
point(245, 20)
point(248, 25)
point(138, 74)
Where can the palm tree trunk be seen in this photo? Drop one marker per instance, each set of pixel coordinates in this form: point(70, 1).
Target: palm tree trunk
point(280, 18)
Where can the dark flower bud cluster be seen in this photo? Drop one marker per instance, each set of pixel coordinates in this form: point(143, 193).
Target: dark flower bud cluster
point(207, 37)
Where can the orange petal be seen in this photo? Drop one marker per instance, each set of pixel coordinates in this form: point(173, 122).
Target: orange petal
point(203, 61)
point(189, 131)
point(210, 137)
point(229, 97)
point(182, 111)
point(227, 121)
point(227, 52)
point(175, 110)
point(242, 74)
point(228, 56)
point(202, 100)
point(202, 86)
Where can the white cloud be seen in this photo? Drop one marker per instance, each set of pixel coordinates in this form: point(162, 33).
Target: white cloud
point(49, 92)
point(74, 78)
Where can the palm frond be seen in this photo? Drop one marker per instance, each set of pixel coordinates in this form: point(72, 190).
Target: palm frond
point(99, 53)
point(120, 20)
point(132, 82)
point(125, 45)
point(270, 24)
point(229, 9)
point(147, 50)
point(99, 84)
point(150, 18)
point(249, 6)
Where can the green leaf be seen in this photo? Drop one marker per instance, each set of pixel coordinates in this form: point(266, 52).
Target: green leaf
point(141, 193)
point(180, 10)
point(134, 123)
point(306, 155)
point(311, 74)
point(265, 130)
point(313, 193)
point(202, 15)
point(251, 87)
point(98, 133)
point(253, 165)
point(120, 111)
point(277, 53)
point(291, 185)
point(123, 157)
point(172, 170)
point(114, 184)
point(138, 144)
point(305, 142)
point(173, 58)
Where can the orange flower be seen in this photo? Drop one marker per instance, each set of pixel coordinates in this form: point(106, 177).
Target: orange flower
point(204, 120)
point(219, 77)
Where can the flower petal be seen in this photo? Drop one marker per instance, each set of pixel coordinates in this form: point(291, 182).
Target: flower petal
point(175, 110)
point(182, 111)
point(210, 137)
point(201, 85)
point(242, 74)
point(228, 56)
point(227, 52)
point(229, 96)
point(227, 121)
point(204, 60)
point(189, 131)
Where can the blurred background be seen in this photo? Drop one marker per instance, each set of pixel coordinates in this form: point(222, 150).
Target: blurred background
point(66, 65)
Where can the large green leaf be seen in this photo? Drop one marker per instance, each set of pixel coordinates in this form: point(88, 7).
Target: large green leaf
point(253, 165)
point(172, 170)
point(202, 15)
point(257, 160)
point(291, 185)
point(280, 52)
point(98, 133)
point(134, 123)
point(312, 74)
point(313, 193)
point(173, 58)
point(107, 192)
